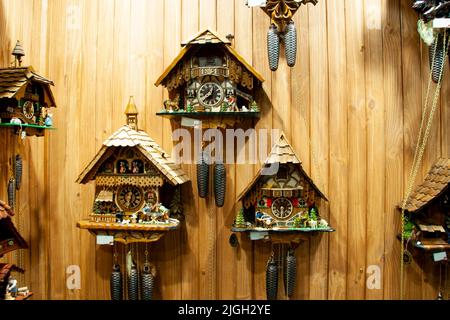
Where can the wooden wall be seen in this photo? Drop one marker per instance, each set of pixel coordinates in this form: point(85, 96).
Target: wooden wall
point(351, 107)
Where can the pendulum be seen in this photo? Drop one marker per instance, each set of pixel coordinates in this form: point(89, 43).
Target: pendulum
point(203, 176)
point(290, 41)
point(133, 278)
point(12, 193)
point(273, 47)
point(147, 280)
point(220, 180)
point(272, 279)
point(18, 171)
point(290, 273)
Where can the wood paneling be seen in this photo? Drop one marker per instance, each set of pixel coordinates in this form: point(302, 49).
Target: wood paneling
point(351, 107)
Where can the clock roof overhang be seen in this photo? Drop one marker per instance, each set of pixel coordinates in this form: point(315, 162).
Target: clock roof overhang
point(203, 38)
point(13, 82)
point(128, 137)
point(282, 153)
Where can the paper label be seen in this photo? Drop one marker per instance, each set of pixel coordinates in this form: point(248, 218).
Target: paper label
point(103, 240)
point(258, 235)
point(256, 3)
point(439, 256)
point(191, 123)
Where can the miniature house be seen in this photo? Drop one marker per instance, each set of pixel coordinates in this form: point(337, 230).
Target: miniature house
point(208, 75)
point(281, 197)
point(136, 186)
point(25, 98)
point(428, 210)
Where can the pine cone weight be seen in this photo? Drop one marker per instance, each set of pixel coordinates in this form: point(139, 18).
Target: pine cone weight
point(220, 184)
point(202, 177)
point(273, 47)
point(133, 284)
point(116, 285)
point(18, 171)
point(12, 193)
point(290, 273)
point(147, 283)
point(272, 279)
point(290, 41)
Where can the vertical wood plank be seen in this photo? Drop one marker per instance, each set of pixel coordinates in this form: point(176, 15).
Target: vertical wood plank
point(376, 148)
point(339, 150)
point(319, 143)
point(392, 65)
point(357, 147)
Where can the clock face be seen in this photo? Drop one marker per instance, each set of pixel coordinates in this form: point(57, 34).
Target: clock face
point(28, 109)
point(210, 94)
point(130, 198)
point(282, 208)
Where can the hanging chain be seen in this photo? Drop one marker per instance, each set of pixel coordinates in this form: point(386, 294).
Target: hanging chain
point(418, 156)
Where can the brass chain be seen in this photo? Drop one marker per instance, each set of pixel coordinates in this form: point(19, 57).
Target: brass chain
point(419, 152)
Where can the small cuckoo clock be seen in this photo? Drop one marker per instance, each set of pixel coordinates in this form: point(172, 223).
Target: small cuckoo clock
point(281, 205)
point(137, 186)
point(281, 197)
point(428, 211)
point(209, 78)
point(25, 97)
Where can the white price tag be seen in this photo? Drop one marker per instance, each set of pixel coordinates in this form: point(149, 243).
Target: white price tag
point(103, 240)
point(440, 256)
point(256, 3)
point(258, 235)
point(441, 23)
point(191, 123)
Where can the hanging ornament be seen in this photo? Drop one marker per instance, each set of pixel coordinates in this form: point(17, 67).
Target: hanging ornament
point(133, 278)
point(147, 282)
point(290, 273)
point(290, 41)
point(272, 279)
point(220, 183)
point(12, 193)
point(203, 176)
point(273, 47)
point(18, 171)
point(116, 283)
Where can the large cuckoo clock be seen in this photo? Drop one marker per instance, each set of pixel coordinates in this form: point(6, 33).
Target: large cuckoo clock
point(209, 77)
point(26, 98)
point(137, 186)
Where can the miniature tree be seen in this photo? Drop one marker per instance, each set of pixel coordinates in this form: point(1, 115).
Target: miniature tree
point(313, 215)
point(176, 206)
point(240, 221)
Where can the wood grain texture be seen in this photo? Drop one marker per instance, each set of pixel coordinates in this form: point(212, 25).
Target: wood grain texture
point(351, 107)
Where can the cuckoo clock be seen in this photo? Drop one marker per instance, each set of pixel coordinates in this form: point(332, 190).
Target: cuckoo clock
point(25, 98)
point(137, 200)
point(427, 226)
point(137, 185)
point(426, 216)
point(281, 205)
point(209, 78)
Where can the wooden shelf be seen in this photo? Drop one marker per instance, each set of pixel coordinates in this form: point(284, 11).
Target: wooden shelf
point(30, 129)
point(128, 233)
point(432, 246)
point(282, 235)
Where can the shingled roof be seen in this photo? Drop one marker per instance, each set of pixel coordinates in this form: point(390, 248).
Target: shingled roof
point(10, 238)
point(435, 184)
point(12, 80)
point(282, 153)
point(206, 37)
point(127, 137)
